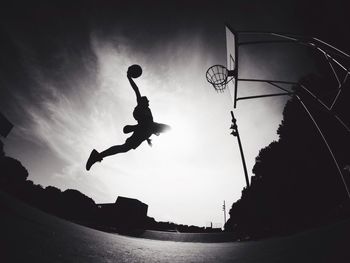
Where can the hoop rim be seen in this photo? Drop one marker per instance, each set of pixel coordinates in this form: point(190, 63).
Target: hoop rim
point(212, 81)
point(219, 84)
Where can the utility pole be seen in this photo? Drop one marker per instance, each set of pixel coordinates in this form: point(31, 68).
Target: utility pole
point(235, 133)
point(224, 209)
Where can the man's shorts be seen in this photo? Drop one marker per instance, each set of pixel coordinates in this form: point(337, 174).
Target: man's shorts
point(143, 131)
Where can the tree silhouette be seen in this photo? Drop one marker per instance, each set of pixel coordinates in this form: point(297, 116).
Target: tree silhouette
point(295, 184)
point(12, 173)
point(78, 206)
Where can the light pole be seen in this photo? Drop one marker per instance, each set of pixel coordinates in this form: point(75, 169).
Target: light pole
point(235, 133)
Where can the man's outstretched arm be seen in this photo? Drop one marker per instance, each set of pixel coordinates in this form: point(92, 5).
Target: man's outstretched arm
point(135, 88)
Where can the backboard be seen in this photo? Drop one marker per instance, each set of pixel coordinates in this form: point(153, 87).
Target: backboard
point(232, 57)
point(5, 125)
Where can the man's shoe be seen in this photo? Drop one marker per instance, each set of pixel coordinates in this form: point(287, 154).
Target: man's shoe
point(94, 157)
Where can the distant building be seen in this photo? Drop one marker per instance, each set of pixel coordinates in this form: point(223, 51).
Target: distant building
point(124, 214)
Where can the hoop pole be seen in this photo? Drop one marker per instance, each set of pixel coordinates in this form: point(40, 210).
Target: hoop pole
point(295, 37)
point(264, 42)
point(326, 143)
point(275, 82)
point(332, 47)
point(306, 41)
point(339, 92)
point(288, 83)
point(269, 80)
point(264, 96)
point(288, 38)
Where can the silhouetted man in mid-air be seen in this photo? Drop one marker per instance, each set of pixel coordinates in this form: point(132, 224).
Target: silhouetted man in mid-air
point(141, 132)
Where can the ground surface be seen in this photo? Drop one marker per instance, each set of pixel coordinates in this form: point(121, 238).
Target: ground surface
point(29, 235)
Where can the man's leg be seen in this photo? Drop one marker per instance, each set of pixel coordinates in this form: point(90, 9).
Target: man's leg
point(95, 156)
point(115, 150)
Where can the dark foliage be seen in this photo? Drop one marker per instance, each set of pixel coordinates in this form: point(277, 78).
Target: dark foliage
point(78, 206)
point(70, 204)
point(12, 173)
point(296, 184)
point(73, 205)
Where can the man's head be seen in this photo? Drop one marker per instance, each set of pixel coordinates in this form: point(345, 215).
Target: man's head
point(144, 101)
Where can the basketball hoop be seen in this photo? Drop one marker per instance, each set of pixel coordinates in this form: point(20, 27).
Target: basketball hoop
point(218, 76)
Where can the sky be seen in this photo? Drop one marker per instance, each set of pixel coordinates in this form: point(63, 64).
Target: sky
point(63, 85)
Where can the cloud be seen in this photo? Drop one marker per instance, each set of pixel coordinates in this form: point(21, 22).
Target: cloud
point(86, 109)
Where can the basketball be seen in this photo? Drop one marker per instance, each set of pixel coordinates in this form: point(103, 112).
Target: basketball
point(135, 71)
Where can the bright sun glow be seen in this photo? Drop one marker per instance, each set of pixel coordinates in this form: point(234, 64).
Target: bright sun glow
point(180, 138)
